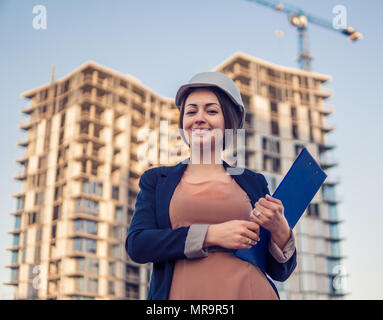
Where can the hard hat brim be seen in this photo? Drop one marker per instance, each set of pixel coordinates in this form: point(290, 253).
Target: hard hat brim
point(181, 91)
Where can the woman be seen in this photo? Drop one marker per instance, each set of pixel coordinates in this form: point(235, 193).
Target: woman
point(190, 218)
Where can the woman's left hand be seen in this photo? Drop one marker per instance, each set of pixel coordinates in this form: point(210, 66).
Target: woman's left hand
point(269, 213)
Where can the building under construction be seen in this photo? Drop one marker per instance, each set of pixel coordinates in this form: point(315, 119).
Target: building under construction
point(80, 173)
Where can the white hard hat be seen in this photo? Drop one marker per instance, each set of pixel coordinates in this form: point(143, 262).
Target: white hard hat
point(214, 79)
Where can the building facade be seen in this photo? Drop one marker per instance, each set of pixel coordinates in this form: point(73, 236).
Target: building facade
point(83, 160)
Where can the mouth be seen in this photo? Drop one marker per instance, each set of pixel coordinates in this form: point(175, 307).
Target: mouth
point(200, 131)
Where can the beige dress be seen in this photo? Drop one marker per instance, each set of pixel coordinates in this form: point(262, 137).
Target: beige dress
point(220, 275)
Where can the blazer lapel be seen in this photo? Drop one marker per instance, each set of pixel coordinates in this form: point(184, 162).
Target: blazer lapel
point(169, 179)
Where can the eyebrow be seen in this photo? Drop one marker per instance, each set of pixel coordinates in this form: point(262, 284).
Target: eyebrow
point(206, 105)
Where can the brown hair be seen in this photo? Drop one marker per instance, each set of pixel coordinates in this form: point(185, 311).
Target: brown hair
point(231, 114)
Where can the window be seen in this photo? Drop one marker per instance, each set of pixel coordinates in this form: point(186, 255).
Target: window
point(329, 193)
point(92, 285)
point(62, 121)
point(39, 198)
point(111, 287)
point(112, 268)
point(32, 292)
point(32, 217)
point(274, 127)
point(97, 188)
point(293, 112)
point(313, 210)
point(332, 212)
point(15, 257)
point(17, 222)
point(54, 230)
point(115, 192)
point(271, 164)
point(294, 131)
point(88, 265)
point(80, 284)
point(56, 212)
point(131, 290)
point(87, 206)
point(118, 214)
point(85, 226)
point(23, 258)
point(335, 249)
point(270, 145)
point(16, 239)
point(93, 187)
point(273, 107)
point(132, 273)
point(116, 232)
point(14, 274)
point(20, 204)
point(334, 231)
point(115, 251)
point(85, 245)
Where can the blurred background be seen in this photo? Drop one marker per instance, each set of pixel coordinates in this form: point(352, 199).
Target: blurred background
point(163, 44)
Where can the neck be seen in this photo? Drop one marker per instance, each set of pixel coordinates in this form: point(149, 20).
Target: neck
point(208, 163)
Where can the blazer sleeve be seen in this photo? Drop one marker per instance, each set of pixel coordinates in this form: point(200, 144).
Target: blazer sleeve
point(146, 242)
point(279, 271)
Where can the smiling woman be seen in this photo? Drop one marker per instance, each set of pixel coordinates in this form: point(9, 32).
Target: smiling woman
point(190, 228)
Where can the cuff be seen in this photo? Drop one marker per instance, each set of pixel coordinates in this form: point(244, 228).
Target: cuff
point(284, 255)
point(194, 241)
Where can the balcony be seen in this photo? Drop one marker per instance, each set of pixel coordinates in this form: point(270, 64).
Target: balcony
point(325, 108)
point(21, 175)
point(241, 70)
point(326, 128)
point(323, 92)
point(86, 117)
point(331, 198)
point(243, 88)
point(84, 137)
point(323, 147)
point(27, 124)
point(327, 162)
point(27, 109)
point(332, 180)
point(95, 156)
point(22, 160)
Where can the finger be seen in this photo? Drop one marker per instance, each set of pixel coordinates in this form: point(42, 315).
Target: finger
point(268, 204)
point(252, 235)
point(270, 198)
point(265, 212)
point(260, 219)
point(249, 238)
point(252, 226)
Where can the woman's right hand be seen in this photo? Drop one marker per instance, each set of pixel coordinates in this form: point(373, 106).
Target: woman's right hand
point(233, 234)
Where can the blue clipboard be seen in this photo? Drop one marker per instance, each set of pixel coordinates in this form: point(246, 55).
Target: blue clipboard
point(296, 191)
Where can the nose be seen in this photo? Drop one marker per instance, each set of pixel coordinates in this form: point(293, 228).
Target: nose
point(199, 117)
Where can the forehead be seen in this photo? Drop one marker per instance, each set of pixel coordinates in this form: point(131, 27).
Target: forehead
point(201, 96)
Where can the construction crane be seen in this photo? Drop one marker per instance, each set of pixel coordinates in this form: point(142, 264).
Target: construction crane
point(300, 19)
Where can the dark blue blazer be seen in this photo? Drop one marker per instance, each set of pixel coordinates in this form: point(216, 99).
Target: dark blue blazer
point(151, 238)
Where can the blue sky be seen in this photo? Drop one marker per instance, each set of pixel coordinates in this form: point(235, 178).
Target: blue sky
point(164, 43)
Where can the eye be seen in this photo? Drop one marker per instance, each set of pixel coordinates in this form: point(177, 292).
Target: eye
point(213, 111)
point(189, 112)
